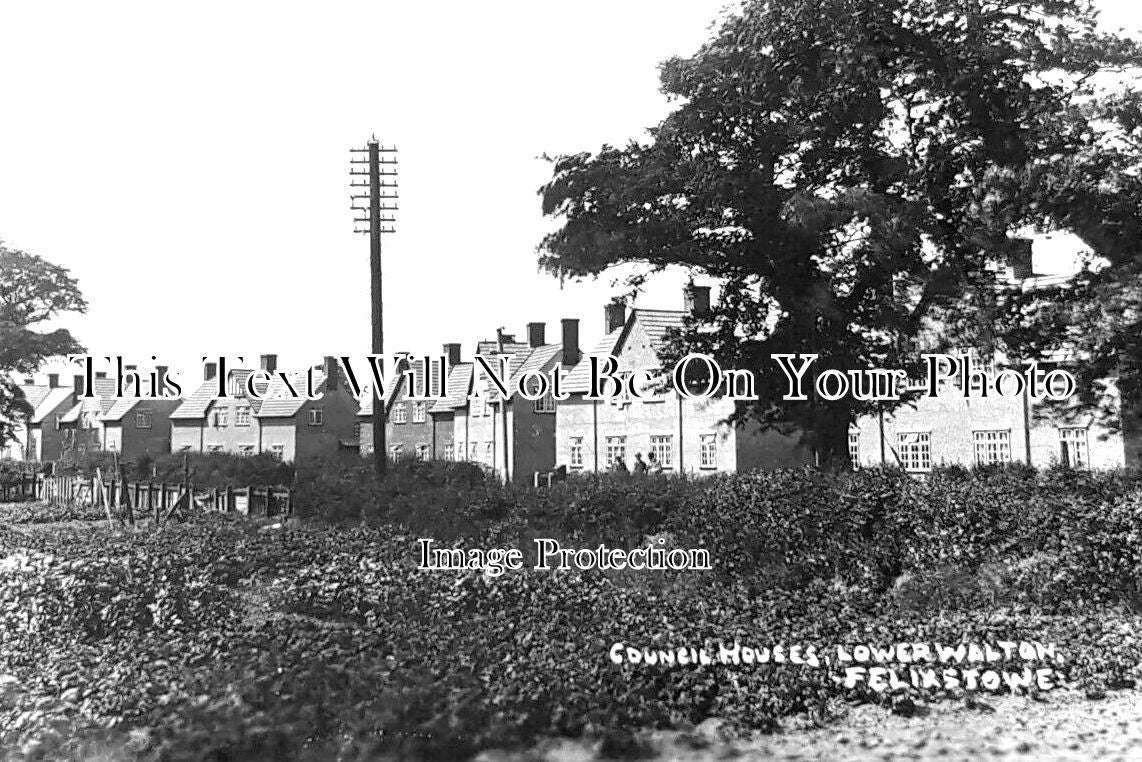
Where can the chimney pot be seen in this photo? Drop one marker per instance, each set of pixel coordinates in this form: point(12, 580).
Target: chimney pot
point(452, 352)
point(101, 374)
point(536, 334)
point(209, 371)
point(571, 354)
point(614, 315)
point(696, 299)
point(53, 380)
point(269, 363)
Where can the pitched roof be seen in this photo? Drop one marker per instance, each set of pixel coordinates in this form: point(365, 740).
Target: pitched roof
point(395, 383)
point(34, 393)
point(280, 403)
point(492, 347)
point(459, 384)
point(196, 406)
point(104, 399)
point(578, 381)
point(518, 354)
point(655, 324)
point(52, 400)
point(536, 361)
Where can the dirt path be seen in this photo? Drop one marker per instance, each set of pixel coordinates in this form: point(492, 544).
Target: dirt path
point(1067, 727)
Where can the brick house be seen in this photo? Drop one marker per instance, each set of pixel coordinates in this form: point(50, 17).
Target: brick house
point(449, 444)
point(41, 436)
point(131, 426)
point(686, 436)
point(409, 430)
point(290, 428)
point(951, 429)
point(206, 423)
point(515, 439)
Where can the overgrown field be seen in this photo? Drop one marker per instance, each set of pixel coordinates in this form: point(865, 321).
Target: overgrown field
point(229, 639)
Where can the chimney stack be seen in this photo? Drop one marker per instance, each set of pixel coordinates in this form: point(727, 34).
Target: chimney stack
point(53, 380)
point(536, 334)
point(209, 371)
point(696, 299)
point(269, 363)
point(452, 352)
point(571, 354)
point(614, 315)
point(160, 380)
point(101, 374)
point(77, 387)
point(331, 374)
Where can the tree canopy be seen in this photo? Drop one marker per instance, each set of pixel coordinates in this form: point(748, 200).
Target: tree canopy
point(32, 292)
point(851, 171)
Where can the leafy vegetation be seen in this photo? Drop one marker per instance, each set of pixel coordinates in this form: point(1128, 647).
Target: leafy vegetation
point(229, 638)
point(32, 292)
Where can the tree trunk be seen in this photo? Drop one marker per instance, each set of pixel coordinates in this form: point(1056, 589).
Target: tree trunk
point(831, 439)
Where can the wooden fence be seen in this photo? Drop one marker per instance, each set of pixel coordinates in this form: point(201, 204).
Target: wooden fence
point(150, 498)
point(23, 487)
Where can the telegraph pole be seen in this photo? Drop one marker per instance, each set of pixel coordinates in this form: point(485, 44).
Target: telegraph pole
point(367, 173)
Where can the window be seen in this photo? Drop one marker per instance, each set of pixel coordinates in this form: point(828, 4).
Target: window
point(214, 448)
point(144, 419)
point(616, 450)
point(220, 416)
point(854, 449)
point(474, 451)
point(242, 415)
point(545, 404)
point(992, 447)
point(623, 398)
point(278, 451)
point(418, 412)
point(422, 452)
point(477, 406)
point(316, 416)
point(395, 451)
point(112, 445)
point(447, 451)
point(1073, 447)
point(662, 448)
point(357, 431)
point(237, 388)
point(400, 415)
point(576, 452)
point(89, 420)
point(708, 451)
point(246, 451)
point(915, 450)
point(59, 420)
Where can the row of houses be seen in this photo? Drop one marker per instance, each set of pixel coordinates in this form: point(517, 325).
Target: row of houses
point(517, 437)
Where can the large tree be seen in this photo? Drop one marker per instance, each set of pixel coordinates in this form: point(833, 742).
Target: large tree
point(850, 170)
point(32, 292)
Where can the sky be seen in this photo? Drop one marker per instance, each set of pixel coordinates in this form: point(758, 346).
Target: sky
point(188, 163)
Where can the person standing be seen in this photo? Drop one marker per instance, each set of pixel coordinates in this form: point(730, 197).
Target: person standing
point(639, 464)
point(653, 465)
